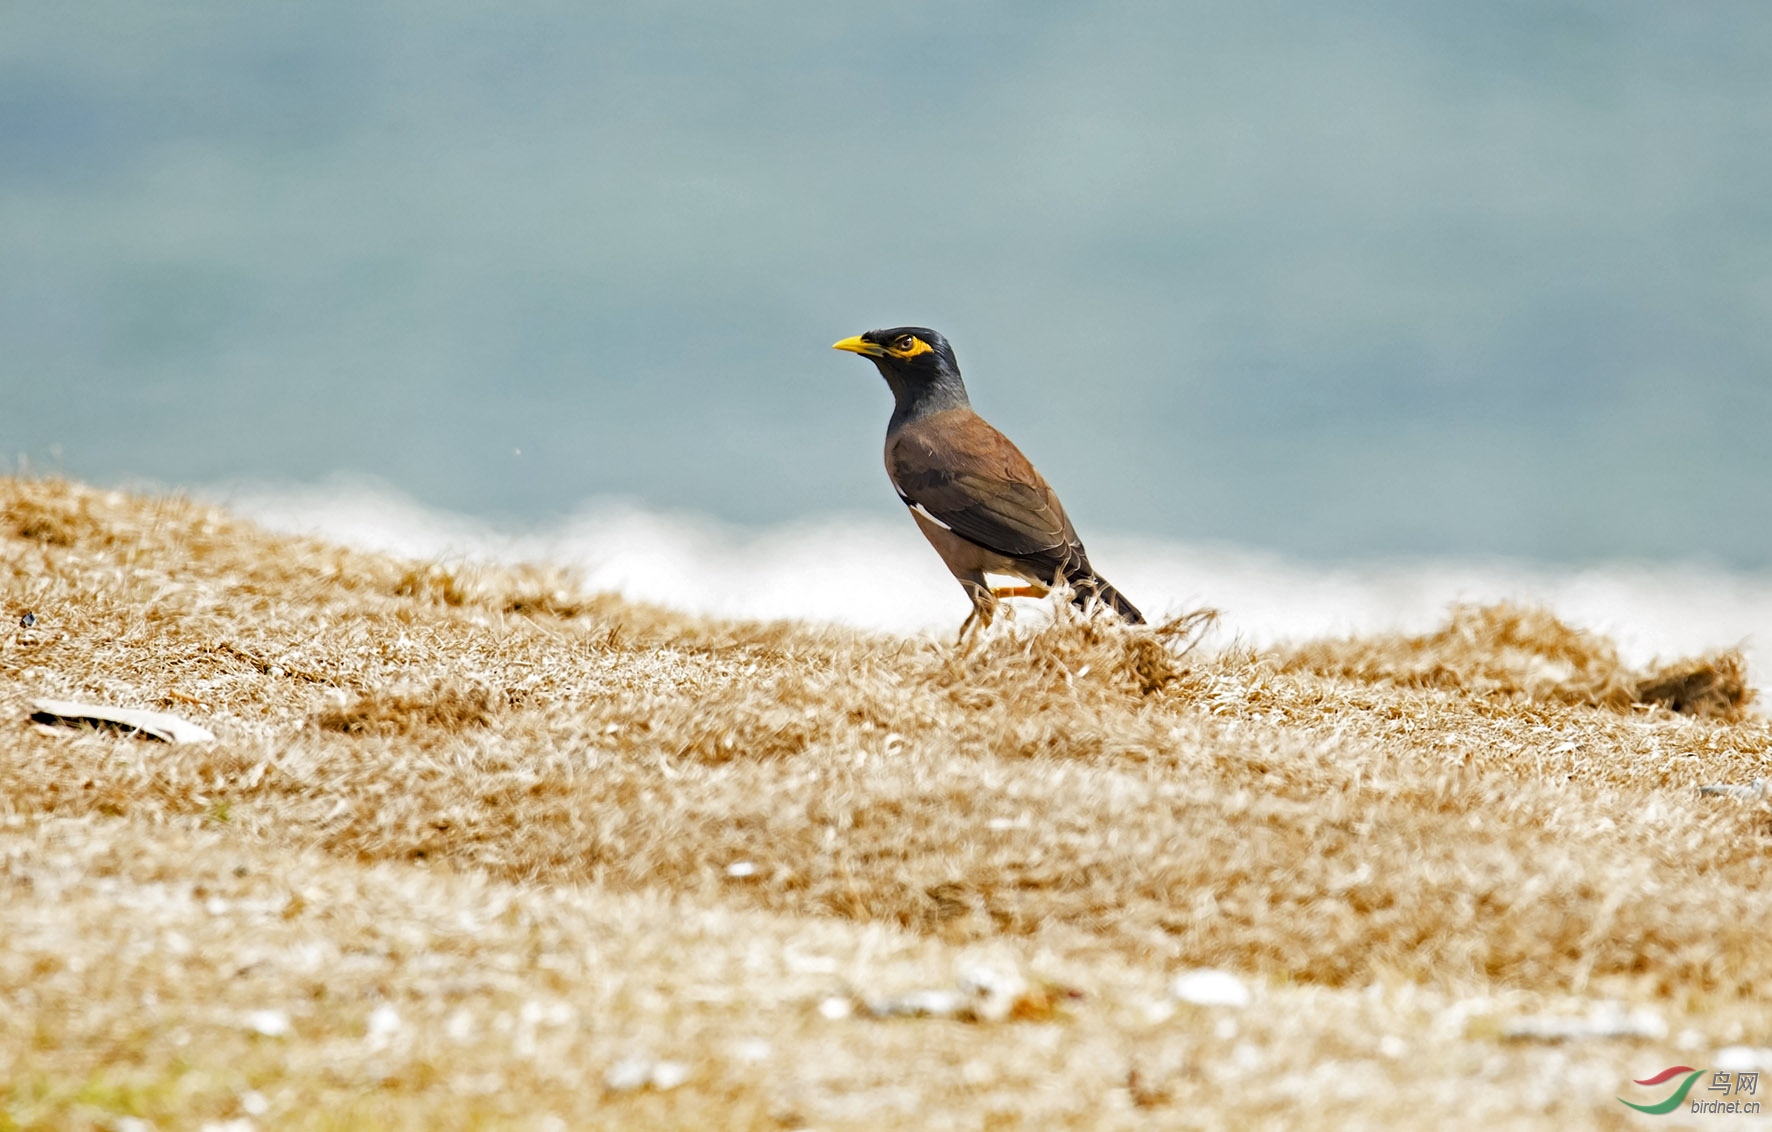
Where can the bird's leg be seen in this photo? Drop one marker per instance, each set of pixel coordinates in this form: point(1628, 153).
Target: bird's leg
point(984, 607)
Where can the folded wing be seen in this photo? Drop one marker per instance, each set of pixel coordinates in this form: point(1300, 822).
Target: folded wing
point(965, 475)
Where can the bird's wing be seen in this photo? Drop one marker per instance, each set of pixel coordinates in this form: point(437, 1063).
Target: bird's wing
point(966, 476)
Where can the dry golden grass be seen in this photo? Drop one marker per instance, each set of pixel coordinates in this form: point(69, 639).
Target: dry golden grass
point(1519, 653)
point(480, 840)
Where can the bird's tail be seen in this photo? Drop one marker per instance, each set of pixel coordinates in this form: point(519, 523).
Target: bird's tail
point(1091, 586)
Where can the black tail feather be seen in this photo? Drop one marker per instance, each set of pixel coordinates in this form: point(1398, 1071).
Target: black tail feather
point(1088, 587)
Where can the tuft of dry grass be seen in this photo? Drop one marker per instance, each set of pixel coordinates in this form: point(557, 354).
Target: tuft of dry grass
point(473, 844)
point(51, 519)
point(1510, 651)
point(441, 710)
point(1712, 687)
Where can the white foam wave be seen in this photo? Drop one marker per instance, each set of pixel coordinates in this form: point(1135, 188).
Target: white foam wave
point(880, 575)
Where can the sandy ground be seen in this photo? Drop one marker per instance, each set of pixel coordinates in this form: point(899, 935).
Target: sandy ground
point(475, 848)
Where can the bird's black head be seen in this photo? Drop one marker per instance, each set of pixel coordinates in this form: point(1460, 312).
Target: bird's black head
point(919, 367)
point(910, 351)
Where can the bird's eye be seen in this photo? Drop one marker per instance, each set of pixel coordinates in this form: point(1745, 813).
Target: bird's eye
point(905, 342)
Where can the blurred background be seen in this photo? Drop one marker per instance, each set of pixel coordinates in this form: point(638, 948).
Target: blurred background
point(1336, 282)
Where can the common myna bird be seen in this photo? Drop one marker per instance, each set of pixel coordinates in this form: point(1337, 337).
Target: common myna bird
point(977, 499)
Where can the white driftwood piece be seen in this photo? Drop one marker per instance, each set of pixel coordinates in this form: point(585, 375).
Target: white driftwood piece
point(169, 728)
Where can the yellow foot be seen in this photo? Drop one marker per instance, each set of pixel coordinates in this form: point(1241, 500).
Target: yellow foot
point(1019, 591)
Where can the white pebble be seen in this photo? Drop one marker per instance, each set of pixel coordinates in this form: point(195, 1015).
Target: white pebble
point(741, 869)
point(253, 1103)
point(1603, 1021)
point(751, 1049)
point(460, 1026)
point(384, 1021)
point(270, 1023)
point(1207, 987)
point(628, 1074)
point(1736, 1058)
point(836, 1008)
point(640, 1072)
point(669, 1074)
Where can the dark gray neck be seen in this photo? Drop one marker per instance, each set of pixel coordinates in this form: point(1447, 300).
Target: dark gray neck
point(914, 400)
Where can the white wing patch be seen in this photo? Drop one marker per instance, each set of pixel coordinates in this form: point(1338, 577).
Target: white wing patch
point(915, 506)
point(924, 511)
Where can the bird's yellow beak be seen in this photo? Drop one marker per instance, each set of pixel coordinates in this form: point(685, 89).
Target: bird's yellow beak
point(857, 345)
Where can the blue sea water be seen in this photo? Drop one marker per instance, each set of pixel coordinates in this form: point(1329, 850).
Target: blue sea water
point(1336, 282)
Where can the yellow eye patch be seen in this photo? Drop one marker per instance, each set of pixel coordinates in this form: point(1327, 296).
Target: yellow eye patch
point(909, 346)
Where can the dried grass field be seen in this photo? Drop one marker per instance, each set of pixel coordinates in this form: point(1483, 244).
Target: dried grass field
point(475, 849)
